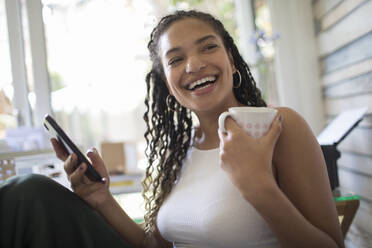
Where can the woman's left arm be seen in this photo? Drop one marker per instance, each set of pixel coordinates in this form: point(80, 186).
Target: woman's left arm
point(304, 202)
point(298, 206)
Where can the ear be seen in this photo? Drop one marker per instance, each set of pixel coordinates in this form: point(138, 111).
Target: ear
point(231, 59)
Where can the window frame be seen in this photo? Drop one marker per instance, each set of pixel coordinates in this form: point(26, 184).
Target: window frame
point(27, 117)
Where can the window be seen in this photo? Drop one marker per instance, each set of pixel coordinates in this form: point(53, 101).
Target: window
point(97, 60)
point(264, 39)
point(7, 111)
point(28, 57)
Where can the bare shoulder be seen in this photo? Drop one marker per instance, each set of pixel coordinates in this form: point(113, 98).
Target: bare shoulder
point(300, 165)
point(292, 119)
point(302, 173)
point(296, 136)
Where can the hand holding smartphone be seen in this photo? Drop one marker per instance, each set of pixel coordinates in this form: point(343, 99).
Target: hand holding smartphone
point(57, 132)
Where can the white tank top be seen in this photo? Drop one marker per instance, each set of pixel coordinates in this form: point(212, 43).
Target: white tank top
point(205, 209)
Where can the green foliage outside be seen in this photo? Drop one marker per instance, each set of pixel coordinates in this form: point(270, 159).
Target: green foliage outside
point(56, 82)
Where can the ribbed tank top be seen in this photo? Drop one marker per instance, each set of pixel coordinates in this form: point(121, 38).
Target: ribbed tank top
point(206, 210)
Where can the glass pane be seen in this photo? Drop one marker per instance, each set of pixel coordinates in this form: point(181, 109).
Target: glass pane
point(97, 60)
point(7, 114)
point(28, 56)
point(265, 41)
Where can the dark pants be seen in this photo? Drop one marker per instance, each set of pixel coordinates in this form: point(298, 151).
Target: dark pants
point(37, 212)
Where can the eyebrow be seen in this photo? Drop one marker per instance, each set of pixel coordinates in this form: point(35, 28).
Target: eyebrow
point(198, 41)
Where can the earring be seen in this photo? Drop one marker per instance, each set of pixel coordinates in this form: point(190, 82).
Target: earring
point(168, 101)
point(240, 80)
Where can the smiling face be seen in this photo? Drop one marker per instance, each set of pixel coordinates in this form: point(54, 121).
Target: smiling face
point(197, 68)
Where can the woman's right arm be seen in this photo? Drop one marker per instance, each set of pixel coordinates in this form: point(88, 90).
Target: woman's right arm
point(98, 196)
point(121, 222)
point(127, 228)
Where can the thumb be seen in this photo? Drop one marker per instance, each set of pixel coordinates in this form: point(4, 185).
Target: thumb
point(96, 160)
point(275, 129)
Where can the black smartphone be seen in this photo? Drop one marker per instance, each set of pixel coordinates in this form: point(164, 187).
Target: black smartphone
point(57, 132)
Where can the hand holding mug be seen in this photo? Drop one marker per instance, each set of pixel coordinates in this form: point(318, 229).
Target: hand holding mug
point(247, 147)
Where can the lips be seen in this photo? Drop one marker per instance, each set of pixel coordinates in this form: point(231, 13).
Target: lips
point(202, 83)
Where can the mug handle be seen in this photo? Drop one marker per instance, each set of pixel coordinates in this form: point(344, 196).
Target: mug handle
point(221, 121)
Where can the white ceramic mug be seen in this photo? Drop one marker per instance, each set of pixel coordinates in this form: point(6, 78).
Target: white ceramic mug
point(255, 121)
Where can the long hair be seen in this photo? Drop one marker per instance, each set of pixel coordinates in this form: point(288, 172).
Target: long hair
point(169, 124)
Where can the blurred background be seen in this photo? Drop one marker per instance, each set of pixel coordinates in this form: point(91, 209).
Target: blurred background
point(84, 62)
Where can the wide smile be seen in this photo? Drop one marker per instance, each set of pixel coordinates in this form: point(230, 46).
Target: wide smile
point(202, 83)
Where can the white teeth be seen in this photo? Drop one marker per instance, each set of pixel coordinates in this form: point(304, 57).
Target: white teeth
point(200, 81)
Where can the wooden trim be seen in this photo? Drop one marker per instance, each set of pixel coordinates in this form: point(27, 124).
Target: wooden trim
point(365, 203)
point(363, 217)
point(347, 30)
point(353, 53)
point(338, 105)
point(356, 147)
point(322, 7)
point(354, 171)
point(339, 12)
point(18, 63)
point(355, 86)
point(358, 184)
point(348, 72)
point(356, 162)
point(39, 60)
point(356, 154)
point(359, 141)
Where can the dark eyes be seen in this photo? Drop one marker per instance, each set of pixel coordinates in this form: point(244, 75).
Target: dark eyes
point(206, 48)
point(209, 47)
point(174, 61)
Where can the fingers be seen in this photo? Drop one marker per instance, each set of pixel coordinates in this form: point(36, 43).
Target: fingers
point(81, 185)
point(71, 163)
point(97, 161)
point(275, 129)
point(60, 151)
point(95, 157)
point(76, 177)
point(231, 127)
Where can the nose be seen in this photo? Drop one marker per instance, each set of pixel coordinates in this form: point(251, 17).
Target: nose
point(194, 64)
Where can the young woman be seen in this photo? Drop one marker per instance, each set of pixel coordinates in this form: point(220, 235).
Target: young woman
point(205, 188)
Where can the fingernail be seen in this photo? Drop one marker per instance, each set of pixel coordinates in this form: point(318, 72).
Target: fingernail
point(90, 152)
point(104, 180)
point(81, 167)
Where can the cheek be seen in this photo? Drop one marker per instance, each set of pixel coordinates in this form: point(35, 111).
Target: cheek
point(168, 78)
point(172, 78)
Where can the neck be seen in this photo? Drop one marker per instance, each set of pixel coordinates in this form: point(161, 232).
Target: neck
point(206, 135)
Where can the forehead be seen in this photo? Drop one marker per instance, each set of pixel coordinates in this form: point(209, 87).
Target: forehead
point(183, 33)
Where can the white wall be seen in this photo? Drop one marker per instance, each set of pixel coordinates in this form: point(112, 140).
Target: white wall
point(296, 64)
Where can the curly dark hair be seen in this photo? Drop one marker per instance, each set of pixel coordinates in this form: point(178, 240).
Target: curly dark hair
point(168, 134)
